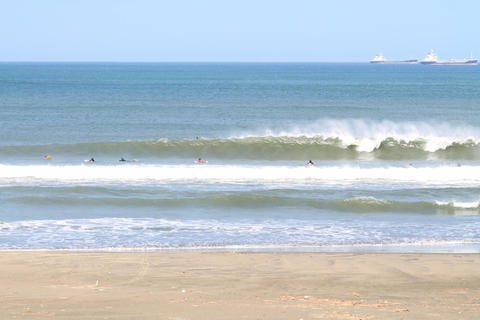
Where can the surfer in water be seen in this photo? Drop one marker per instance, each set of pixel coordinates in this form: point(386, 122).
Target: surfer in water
point(201, 161)
point(91, 160)
point(122, 159)
point(310, 163)
point(47, 158)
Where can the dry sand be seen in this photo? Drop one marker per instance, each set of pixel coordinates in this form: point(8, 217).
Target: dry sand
point(229, 285)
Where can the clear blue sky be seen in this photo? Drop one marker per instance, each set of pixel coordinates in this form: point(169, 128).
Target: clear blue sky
point(242, 30)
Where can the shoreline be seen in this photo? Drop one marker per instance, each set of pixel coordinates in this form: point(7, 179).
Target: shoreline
point(427, 247)
point(238, 285)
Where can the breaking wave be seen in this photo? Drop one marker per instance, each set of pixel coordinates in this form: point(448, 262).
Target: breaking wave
point(326, 139)
point(260, 148)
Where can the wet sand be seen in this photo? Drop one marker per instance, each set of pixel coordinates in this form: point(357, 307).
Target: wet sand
point(232, 285)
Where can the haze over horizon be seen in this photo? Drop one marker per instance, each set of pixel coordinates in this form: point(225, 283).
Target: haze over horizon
point(218, 31)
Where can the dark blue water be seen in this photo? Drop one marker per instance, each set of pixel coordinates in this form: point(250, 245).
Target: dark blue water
point(66, 103)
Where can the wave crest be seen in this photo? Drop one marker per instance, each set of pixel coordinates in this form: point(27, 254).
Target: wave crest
point(327, 139)
point(255, 201)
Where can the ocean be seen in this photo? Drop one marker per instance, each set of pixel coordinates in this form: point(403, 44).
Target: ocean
point(395, 150)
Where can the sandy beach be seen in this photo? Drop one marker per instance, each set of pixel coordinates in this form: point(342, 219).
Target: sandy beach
point(233, 285)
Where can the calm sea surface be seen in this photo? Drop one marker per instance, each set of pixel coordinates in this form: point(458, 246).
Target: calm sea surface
point(395, 149)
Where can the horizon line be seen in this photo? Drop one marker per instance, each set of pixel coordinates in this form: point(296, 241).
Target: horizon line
point(173, 61)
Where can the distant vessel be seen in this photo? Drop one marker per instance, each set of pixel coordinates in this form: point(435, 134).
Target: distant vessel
point(380, 59)
point(432, 59)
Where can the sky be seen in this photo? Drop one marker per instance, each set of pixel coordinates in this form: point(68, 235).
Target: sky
point(242, 30)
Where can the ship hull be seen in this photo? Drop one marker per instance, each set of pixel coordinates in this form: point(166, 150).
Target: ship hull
point(451, 63)
point(456, 64)
point(395, 62)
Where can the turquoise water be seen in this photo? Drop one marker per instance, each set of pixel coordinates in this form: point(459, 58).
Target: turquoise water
point(395, 147)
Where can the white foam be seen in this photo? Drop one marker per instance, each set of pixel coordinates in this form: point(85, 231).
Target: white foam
point(457, 204)
point(240, 174)
point(368, 134)
point(125, 233)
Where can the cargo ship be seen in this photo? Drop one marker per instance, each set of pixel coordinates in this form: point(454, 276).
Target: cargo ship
point(432, 59)
point(380, 59)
